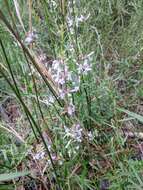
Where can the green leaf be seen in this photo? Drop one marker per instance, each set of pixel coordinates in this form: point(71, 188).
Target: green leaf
point(132, 114)
point(10, 176)
point(6, 187)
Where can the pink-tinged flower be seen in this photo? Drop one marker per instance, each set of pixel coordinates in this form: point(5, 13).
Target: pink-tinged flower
point(30, 38)
point(84, 68)
point(77, 132)
point(39, 155)
point(71, 109)
point(60, 78)
point(62, 93)
point(74, 132)
point(61, 73)
point(54, 158)
point(56, 65)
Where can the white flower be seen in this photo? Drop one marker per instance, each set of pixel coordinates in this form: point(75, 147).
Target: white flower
point(61, 162)
point(61, 72)
point(51, 99)
point(39, 155)
point(74, 132)
point(48, 101)
point(75, 89)
point(77, 132)
point(81, 18)
point(70, 22)
point(62, 93)
point(90, 136)
point(60, 78)
point(84, 68)
point(30, 38)
point(56, 65)
point(71, 109)
point(54, 158)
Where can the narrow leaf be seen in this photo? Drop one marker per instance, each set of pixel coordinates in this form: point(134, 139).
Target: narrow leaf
point(10, 176)
point(132, 114)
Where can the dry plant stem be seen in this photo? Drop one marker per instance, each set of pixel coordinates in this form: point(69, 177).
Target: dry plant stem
point(33, 78)
point(41, 173)
point(16, 91)
point(39, 107)
point(33, 130)
point(16, 87)
point(47, 75)
point(12, 131)
point(35, 124)
point(37, 98)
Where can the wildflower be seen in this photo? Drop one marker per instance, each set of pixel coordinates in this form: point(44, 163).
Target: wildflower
point(61, 73)
point(75, 89)
point(56, 65)
point(70, 47)
point(75, 132)
point(83, 18)
point(62, 93)
point(60, 78)
point(90, 136)
point(48, 101)
point(84, 68)
point(51, 99)
point(54, 158)
point(39, 155)
point(71, 109)
point(69, 22)
point(30, 38)
point(77, 147)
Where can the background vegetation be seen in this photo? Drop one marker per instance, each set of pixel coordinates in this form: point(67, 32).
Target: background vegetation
point(71, 94)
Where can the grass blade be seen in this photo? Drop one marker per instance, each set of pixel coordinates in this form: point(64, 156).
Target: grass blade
point(11, 176)
point(132, 114)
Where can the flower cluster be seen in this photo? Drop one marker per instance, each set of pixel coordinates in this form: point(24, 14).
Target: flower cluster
point(74, 132)
point(64, 78)
point(71, 109)
point(67, 80)
point(39, 155)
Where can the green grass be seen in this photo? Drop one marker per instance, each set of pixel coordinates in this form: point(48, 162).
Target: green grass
point(88, 139)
